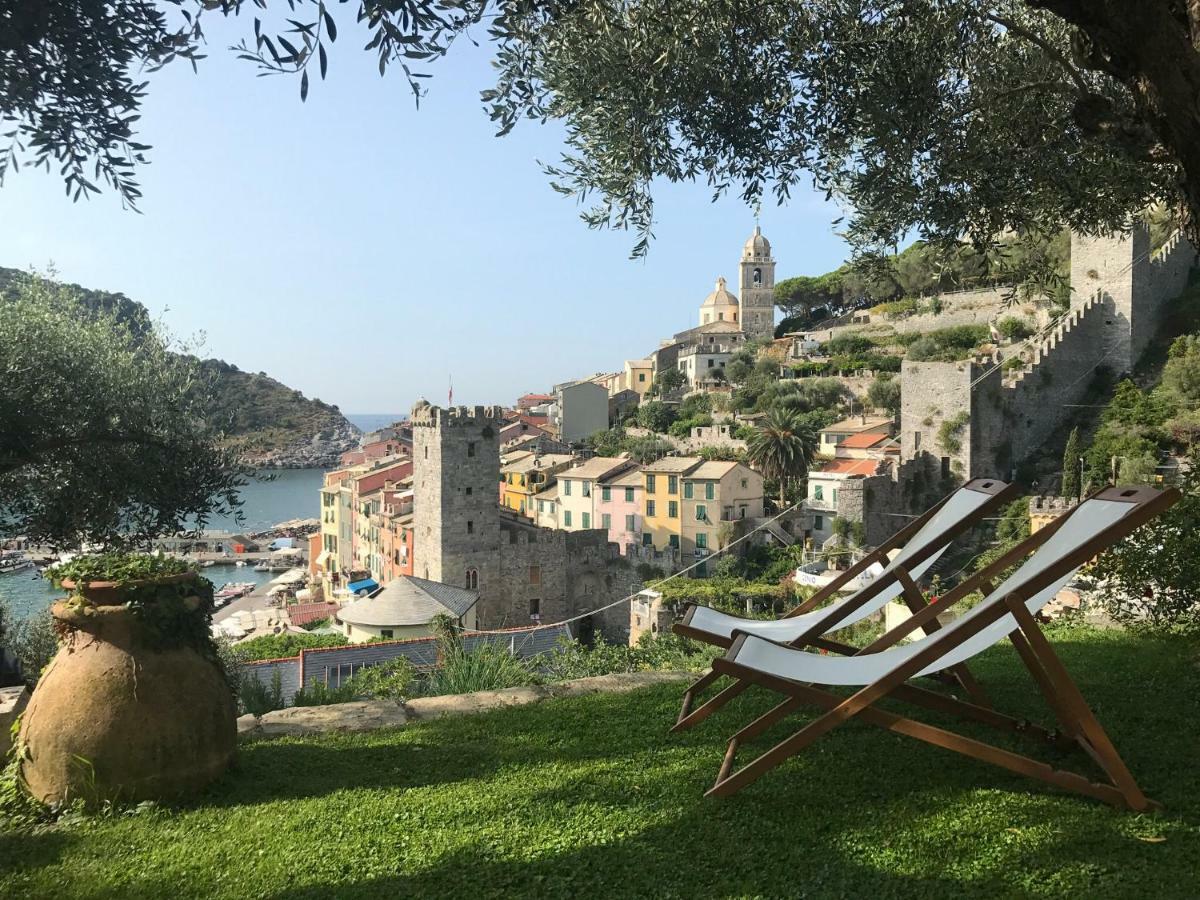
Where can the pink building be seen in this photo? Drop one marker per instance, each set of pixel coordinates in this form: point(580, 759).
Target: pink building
point(619, 508)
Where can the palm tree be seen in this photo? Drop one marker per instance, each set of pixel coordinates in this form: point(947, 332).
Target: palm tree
point(782, 448)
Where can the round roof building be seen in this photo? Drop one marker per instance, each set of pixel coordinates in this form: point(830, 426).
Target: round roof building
point(719, 306)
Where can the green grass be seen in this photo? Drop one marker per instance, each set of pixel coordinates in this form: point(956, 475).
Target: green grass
point(591, 798)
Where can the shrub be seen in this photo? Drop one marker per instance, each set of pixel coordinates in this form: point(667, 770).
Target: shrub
point(489, 667)
point(284, 646)
point(33, 641)
point(321, 694)
point(1014, 328)
point(256, 698)
point(950, 432)
point(391, 680)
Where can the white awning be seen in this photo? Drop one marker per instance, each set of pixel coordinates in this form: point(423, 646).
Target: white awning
point(323, 558)
point(287, 551)
point(291, 576)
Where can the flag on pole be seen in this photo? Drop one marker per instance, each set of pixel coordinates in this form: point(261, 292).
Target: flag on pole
point(450, 396)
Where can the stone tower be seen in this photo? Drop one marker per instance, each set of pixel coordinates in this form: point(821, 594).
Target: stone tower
point(456, 516)
point(757, 287)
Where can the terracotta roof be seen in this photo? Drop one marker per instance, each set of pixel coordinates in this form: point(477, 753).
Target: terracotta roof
point(303, 613)
point(673, 465)
point(849, 467)
point(595, 468)
point(855, 424)
point(632, 478)
point(863, 440)
point(715, 470)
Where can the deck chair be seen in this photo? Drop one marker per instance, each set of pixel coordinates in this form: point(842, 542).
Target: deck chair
point(883, 670)
point(921, 543)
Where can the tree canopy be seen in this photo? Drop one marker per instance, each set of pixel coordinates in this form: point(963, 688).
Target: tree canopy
point(943, 117)
point(104, 431)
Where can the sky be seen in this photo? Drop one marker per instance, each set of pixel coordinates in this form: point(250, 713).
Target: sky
point(366, 252)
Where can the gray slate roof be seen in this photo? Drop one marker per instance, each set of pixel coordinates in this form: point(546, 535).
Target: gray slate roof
point(409, 601)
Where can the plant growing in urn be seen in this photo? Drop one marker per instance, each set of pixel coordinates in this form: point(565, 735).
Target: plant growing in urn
point(105, 444)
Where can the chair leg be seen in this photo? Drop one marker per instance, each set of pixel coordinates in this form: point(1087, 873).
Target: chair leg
point(690, 694)
point(699, 715)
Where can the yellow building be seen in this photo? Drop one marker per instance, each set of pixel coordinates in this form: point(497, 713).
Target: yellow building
point(638, 375)
point(662, 484)
point(524, 474)
point(337, 542)
point(717, 498)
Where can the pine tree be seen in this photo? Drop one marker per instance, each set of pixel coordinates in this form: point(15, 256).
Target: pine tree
point(1070, 474)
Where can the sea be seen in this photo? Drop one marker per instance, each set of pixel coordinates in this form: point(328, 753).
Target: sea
point(274, 496)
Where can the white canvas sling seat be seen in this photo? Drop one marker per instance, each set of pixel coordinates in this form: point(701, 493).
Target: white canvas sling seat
point(884, 670)
point(795, 664)
point(924, 538)
point(962, 506)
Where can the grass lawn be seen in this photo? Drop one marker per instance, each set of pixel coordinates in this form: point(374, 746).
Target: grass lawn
point(591, 798)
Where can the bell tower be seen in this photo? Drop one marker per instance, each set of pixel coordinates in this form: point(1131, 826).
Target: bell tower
point(757, 287)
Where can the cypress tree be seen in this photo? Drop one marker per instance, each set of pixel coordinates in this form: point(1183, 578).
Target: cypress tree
point(1070, 473)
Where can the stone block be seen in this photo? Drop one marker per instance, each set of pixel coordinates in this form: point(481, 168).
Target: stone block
point(465, 704)
point(362, 715)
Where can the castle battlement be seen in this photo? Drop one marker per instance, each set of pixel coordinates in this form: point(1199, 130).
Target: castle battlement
point(425, 415)
point(1051, 505)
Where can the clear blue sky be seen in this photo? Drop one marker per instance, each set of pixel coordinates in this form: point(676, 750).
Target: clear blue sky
point(361, 250)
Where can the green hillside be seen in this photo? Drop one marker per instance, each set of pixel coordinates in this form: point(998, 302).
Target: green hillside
point(273, 423)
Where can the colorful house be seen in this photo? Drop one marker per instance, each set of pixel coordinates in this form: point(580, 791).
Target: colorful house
point(620, 507)
point(717, 497)
point(524, 474)
point(580, 487)
point(662, 495)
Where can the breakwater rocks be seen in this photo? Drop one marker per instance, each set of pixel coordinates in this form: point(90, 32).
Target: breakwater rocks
point(322, 450)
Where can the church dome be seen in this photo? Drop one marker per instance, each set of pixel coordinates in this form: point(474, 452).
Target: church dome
point(757, 247)
point(720, 296)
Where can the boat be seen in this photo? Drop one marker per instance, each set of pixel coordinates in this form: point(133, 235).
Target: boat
point(208, 563)
point(14, 562)
point(240, 562)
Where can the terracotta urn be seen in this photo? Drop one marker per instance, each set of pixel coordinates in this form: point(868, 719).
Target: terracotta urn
point(118, 716)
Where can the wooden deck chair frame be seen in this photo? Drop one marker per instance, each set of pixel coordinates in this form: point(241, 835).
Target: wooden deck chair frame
point(913, 597)
point(1078, 725)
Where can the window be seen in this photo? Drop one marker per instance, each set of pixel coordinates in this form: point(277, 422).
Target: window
point(710, 363)
point(673, 541)
point(688, 487)
point(818, 523)
point(535, 574)
point(386, 633)
point(427, 453)
point(628, 495)
point(629, 526)
point(641, 376)
point(727, 512)
point(535, 608)
point(916, 440)
point(522, 510)
point(721, 316)
point(605, 521)
point(470, 527)
point(701, 540)
point(672, 484)
point(567, 517)
point(945, 467)
point(566, 488)
point(470, 448)
point(709, 490)
point(701, 512)
point(605, 493)
point(587, 489)
point(757, 277)
point(472, 580)
point(649, 484)
point(541, 506)
point(741, 512)
point(745, 483)
point(647, 539)
point(818, 492)
point(650, 508)
point(469, 491)
point(672, 510)
point(587, 520)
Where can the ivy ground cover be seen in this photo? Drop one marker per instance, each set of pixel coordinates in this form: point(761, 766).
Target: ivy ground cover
point(590, 797)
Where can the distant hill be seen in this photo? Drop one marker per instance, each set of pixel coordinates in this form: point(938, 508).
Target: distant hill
point(273, 424)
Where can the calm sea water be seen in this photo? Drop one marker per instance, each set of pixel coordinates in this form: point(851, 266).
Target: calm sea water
point(288, 494)
point(372, 421)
